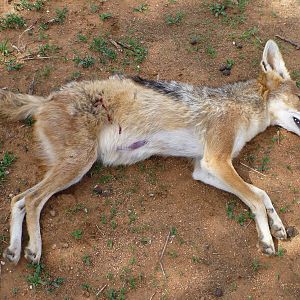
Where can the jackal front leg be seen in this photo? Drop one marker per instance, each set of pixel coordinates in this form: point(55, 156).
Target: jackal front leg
point(221, 174)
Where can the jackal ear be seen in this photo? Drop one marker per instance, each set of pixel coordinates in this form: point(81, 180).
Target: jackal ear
point(272, 60)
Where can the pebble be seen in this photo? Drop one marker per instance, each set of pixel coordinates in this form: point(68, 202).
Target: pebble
point(10, 195)
point(226, 72)
point(218, 292)
point(54, 246)
point(291, 231)
point(65, 245)
point(52, 213)
point(2, 263)
point(194, 41)
point(223, 67)
point(86, 294)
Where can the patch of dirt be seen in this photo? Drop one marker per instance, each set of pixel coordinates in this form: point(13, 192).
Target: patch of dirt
point(121, 233)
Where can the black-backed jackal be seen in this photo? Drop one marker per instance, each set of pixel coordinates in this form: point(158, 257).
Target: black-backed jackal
point(125, 120)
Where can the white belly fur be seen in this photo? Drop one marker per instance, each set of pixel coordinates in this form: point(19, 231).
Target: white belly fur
point(180, 142)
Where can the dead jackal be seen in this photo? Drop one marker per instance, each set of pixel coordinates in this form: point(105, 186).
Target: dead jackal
point(125, 120)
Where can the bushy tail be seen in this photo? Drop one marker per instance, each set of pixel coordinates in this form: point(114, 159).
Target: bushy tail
point(18, 106)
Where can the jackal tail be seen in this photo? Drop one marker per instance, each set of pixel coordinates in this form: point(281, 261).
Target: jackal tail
point(18, 106)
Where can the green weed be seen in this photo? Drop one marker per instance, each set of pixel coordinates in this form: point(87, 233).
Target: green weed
point(37, 5)
point(61, 15)
point(211, 52)
point(13, 65)
point(99, 44)
point(45, 50)
point(135, 49)
point(217, 9)
point(82, 38)
point(86, 259)
point(77, 234)
point(12, 21)
point(264, 164)
point(5, 163)
point(246, 35)
point(4, 48)
point(105, 16)
point(85, 62)
point(175, 19)
point(141, 8)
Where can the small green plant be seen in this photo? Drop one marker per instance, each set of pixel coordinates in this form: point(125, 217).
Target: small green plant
point(242, 5)
point(135, 49)
point(12, 21)
point(94, 8)
point(5, 163)
point(13, 65)
point(77, 234)
point(46, 49)
point(280, 251)
point(86, 259)
point(82, 38)
point(75, 75)
point(61, 15)
point(230, 63)
point(256, 265)
point(141, 8)
point(283, 209)
point(211, 52)
point(132, 216)
point(105, 16)
point(264, 164)
point(217, 9)
point(246, 35)
point(41, 277)
point(85, 62)
point(113, 224)
point(110, 244)
point(77, 208)
point(173, 231)
point(175, 19)
point(105, 179)
point(113, 294)
point(4, 48)
point(230, 210)
point(99, 44)
point(37, 5)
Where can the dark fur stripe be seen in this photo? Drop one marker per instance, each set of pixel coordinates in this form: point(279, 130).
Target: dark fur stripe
point(164, 87)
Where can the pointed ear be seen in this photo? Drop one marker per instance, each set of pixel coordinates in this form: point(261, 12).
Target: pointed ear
point(273, 61)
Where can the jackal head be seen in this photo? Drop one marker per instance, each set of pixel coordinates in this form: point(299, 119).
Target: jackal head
point(279, 90)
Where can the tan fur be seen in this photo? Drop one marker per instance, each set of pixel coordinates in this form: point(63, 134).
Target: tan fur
point(123, 120)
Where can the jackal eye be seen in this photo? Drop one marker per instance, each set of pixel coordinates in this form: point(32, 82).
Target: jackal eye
point(298, 96)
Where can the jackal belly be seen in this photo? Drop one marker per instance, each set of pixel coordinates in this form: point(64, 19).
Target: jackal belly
point(117, 148)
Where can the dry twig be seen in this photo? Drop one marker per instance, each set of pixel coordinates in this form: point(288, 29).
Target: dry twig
point(101, 290)
point(117, 45)
point(152, 295)
point(295, 44)
point(252, 169)
point(162, 254)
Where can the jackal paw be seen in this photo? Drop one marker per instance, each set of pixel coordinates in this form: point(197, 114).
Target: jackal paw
point(12, 255)
point(278, 231)
point(31, 256)
point(267, 248)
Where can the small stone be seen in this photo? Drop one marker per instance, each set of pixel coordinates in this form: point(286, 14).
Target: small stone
point(226, 72)
point(65, 245)
point(54, 246)
point(10, 195)
point(218, 292)
point(151, 195)
point(52, 213)
point(194, 41)
point(223, 67)
point(291, 231)
point(2, 263)
point(239, 45)
point(97, 190)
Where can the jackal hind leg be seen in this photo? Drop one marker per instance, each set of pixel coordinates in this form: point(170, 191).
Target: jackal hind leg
point(65, 173)
point(221, 174)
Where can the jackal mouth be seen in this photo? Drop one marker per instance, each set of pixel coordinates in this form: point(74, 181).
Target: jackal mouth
point(297, 121)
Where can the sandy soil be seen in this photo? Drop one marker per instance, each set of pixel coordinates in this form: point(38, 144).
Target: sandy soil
point(123, 230)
